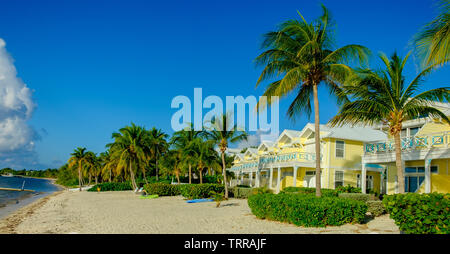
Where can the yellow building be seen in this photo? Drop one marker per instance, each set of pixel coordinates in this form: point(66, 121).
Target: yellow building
point(349, 154)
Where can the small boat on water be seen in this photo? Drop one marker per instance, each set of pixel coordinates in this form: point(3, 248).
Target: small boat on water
point(8, 175)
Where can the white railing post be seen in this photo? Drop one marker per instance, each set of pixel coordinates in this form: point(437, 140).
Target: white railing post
point(363, 177)
point(427, 176)
point(295, 176)
point(278, 179)
point(271, 177)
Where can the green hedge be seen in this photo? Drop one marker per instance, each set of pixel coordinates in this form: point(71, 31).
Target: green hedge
point(306, 190)
point(307, 210)
point(195, 191)
point(375, 207)
point(112, 186)
point(162, 189)
point(241, 192)
point(358, 196)
point(420, 213)
point(348, 189)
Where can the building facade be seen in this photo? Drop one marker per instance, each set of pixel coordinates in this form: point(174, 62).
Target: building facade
point(349, 154)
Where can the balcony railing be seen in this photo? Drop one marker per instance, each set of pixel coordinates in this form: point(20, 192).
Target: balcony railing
point(440, 139)
point(273, 159)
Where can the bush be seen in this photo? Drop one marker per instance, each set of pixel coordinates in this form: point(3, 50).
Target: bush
point(375, 207)
point(307, 210)
point(162, 189)
point(112, 186)
point(420, 213)
point(260, 190)
point(358, 196)
point(195, 191)
point(241, 192)
point(305, 190)
point(348, 189)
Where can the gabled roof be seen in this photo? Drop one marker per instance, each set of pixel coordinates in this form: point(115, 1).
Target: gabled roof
point(289, 133)
point(267, 144)
point(251, 151)
point(358, 133)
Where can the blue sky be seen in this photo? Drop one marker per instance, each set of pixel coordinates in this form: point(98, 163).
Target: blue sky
point(96, 66)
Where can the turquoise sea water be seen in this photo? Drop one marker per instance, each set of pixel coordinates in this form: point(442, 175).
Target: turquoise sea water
point(11, 200)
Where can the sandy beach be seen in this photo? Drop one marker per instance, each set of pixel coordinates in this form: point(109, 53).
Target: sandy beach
point(68, 212)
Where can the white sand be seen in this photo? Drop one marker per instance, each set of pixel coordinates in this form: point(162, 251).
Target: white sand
point(125, 212)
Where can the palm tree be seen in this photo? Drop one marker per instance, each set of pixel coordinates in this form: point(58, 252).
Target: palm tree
point(181, 139)
point(79, 156)
point(171, 162)
point(91, 166)
point(158, 145)
point(383, 97)
point(203, 154)
point(221, 134)
point(108, 164)
point(128, 147)
point(433, 40)
point(302, 53)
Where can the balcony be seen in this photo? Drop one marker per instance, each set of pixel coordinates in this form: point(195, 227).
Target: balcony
point(274, 160)
point(412, 143)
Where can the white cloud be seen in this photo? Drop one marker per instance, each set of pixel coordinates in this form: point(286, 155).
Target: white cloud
point(16, 108)
point(256, 139)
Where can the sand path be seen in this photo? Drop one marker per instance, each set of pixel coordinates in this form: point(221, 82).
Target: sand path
point(125, 212)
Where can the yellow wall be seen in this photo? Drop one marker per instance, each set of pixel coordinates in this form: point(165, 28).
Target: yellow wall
point(433, 127)
point(352, 154)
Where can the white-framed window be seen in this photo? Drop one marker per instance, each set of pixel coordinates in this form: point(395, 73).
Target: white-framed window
point(338, 178)
point(340, 149)
point(369, 181)
point(420, 170)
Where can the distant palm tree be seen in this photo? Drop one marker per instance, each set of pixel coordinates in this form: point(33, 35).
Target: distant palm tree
point(203, 154)
point(302, 53)
point(108, 165)
point(181, 139)
point(171, 163)
point(383, 97)
point(433, 41)
point(158, 145)
point(222, 133)
point(79, 156)
point(129, 148)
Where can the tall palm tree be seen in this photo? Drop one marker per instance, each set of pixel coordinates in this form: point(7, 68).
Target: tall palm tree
point(302, 53)
point(158, 145)
point(222, 134)
point(107, 164)
point(204, 154)
point(91, 166)
point(79, 157)
point(171, 163)
point(384, 97)
point(181, 139)
point(433, 40)
point(128, 147)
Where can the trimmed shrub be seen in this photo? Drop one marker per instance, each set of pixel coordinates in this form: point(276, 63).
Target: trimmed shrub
point(358, 196)
point(306, 190)
point(420, 213)
point(375, 207)
point(195, 191)
point(241, 192)
point(162, 189)
point(348, 189)
point(112, 186)
point(307, 210)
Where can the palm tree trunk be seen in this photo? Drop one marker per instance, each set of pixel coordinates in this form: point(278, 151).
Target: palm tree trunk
point(133, 181)
point(90, 176)
point(201, 178)
point(145, 177)
point(156, 165)
point(190, 173)
point(177, 174)
point(398, 163)
point(110, 175)
point(317, 140)
point(79, 175)
point(224, 174)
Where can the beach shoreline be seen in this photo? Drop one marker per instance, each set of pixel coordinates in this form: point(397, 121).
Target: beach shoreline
point(123, 212)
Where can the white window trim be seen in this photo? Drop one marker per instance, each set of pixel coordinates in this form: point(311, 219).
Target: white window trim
point(343, 177)
point(335, 149)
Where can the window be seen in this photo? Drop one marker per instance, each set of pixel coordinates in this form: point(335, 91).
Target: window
point(340, 147)
point(338, 178)
point(413, 131)
point(369, 182)
point(403, 133)
point(420, 170)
